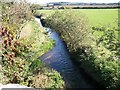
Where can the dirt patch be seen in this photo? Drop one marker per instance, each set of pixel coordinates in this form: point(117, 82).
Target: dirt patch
point(26, 31)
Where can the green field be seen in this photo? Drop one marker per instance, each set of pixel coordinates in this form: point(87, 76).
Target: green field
point(96, 17)
point(101, 16)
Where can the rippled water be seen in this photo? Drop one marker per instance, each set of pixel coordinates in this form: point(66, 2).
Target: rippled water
point(59, 59)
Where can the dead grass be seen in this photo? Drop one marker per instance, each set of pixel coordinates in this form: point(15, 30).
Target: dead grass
point(26, 31)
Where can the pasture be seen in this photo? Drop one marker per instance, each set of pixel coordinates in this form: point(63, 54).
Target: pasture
point(96, 17)
point(107, 18)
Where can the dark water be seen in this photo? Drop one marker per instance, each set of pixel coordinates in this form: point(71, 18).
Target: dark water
point(59, 59)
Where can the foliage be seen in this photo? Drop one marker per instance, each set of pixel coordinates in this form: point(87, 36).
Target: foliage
point(15, 15)
point(20, 55)
point(98, 63)
point(110, 40)
point(71, 26)
point(20, 62)
point(35, 7)
point(96, 17)
point(50, 80)
point(100, 59)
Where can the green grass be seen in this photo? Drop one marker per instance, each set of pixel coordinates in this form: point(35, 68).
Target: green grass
point(96, 17)
point(46, 12)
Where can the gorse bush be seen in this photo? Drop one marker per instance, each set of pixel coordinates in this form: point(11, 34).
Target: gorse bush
point(71, 26)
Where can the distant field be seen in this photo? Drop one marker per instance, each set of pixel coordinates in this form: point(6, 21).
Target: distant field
point(101, 16)
point(96, 17)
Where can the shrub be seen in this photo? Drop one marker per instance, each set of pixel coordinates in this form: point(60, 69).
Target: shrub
point(15, 15)
point(20, 63)
point(110, 40)
point(71, 26)
point(20, 55)
point(101, 67)
point(50, 80)
point(99, 58)
point(102, 61)
point(35, 7)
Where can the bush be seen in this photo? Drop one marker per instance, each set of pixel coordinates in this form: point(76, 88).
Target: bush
point(15, 15)
point(50, 80)
point(35, 7)
point(71, 26)
point(102, 60)
point(98, 64)
point(99, 58)
point(20, 63)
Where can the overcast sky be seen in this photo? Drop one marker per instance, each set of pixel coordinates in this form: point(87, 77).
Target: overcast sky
point(86, 1)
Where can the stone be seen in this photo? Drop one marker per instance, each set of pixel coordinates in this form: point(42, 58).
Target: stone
point(14, 87)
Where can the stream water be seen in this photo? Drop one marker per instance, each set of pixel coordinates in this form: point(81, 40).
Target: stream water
point(59, 59)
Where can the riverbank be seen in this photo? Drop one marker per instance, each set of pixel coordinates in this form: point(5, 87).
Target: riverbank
point(37, 74)
point(96, 56)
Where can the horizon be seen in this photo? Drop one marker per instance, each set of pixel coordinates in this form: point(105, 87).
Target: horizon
point(74, 1)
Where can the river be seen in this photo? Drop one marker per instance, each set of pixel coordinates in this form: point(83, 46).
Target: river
point(59, 59)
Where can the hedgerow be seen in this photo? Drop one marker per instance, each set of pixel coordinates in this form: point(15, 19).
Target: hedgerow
point(19, 62)
point(71, 26)
point(98, 57)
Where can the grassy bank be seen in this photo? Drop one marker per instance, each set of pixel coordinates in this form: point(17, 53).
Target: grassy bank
point(23, 42)
point(34, 73)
